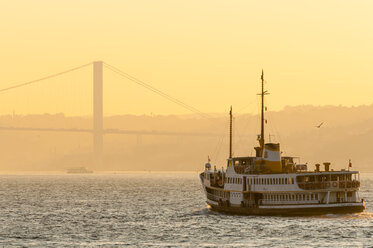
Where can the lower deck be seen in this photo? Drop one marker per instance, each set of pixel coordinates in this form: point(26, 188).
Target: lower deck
point(291, 210)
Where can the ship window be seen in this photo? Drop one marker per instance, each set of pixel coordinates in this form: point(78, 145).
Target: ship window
point(292, 181)
point(349, 194)
point(316, 196)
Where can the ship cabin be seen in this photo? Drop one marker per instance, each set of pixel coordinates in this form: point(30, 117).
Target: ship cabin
point(255, 165)
point(251, 174)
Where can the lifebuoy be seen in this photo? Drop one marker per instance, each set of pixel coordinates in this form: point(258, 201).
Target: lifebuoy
point(354, 184)
point(341, 184)
point(335, 184)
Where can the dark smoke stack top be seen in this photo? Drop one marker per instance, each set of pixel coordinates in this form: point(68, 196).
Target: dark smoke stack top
point(326, 164)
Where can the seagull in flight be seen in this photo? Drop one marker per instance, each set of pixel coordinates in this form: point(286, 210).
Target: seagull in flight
point(320, 125)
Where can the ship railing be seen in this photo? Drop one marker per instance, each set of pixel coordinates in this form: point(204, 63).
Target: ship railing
point(329, 185)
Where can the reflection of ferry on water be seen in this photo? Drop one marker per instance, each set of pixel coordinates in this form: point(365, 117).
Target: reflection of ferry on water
point(79, 170)
point(271, 184)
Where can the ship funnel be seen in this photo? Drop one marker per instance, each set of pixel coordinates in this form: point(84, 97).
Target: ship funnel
point(272, 157)
point(317, 167)
point(327, 165)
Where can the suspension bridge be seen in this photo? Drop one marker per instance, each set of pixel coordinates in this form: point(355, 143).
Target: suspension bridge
point(98, 130)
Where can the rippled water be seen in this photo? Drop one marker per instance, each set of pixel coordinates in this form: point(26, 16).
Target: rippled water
point(155, 209)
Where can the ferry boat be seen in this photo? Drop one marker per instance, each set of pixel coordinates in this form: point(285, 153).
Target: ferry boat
point(79, 170)
point(271, 184)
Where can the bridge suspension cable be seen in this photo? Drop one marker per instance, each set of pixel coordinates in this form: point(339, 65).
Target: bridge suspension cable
point(157, 91)
point(44, 78)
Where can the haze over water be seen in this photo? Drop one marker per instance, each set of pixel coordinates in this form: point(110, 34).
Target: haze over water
point(155, 210)
point(196, 58)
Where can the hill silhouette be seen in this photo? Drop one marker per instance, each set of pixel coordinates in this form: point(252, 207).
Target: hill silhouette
point(346, 134)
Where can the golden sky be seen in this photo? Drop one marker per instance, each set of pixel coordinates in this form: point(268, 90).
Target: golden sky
point(207, 53)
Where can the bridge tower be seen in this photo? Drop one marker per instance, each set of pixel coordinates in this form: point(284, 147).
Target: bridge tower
point(97, 115)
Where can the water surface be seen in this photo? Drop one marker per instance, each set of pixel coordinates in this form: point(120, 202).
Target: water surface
point(155, 210)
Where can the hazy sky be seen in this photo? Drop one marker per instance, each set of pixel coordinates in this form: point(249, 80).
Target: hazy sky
point(207, 53)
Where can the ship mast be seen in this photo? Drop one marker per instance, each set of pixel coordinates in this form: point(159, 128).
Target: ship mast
point(230, 133)
point(261, 140)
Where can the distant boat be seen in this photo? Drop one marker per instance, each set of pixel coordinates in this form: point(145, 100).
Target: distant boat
point(79, 170)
